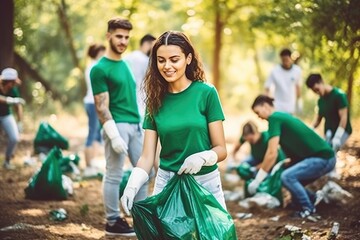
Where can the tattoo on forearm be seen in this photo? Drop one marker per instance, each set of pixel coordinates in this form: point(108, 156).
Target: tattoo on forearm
point(102, 107)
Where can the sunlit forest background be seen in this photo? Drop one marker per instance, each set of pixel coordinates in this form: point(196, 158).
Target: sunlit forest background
point(238, 41)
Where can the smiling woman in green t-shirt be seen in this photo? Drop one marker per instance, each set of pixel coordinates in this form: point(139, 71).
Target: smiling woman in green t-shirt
point(185, 113)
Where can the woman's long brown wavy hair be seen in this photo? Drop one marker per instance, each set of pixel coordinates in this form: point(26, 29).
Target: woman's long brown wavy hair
point(155, 85)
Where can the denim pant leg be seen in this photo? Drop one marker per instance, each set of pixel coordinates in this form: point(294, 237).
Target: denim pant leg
point(113, 173)
point(307, 169)
point(8, 123)
point(135, 149)
point(93, 125)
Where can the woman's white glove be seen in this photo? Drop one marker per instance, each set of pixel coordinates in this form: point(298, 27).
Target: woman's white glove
point(117, 143)
point(194, 162)
point(336, 141)
point(260, 176)
point(137, 178)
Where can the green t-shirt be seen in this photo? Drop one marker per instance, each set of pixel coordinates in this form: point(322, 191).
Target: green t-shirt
point(329, 106)
point(4, 107)
point(116, 78)
point(296, 139)
point(258, 149)
point(182, 124)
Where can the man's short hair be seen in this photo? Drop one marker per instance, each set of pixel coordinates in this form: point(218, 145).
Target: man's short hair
point(285, 53)
point(147, 38)
point(117, 22)
point(313, 79)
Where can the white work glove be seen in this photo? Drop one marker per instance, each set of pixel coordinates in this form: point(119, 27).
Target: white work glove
point(117, 143)
point(20, 127)
point(260, 176)
point(194, 162)
point(15, 100)
point(299, 106)
point(336, 141)
point(137, 178)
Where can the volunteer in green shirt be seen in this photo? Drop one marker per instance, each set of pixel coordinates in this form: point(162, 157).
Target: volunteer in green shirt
point(9, 96)
point(114, 92)
point(334, 107)
point(185, 113)
point(258, 142)
point(310, 155)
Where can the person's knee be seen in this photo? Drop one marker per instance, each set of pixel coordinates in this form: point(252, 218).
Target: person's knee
point(14, 139)
point(285, 178)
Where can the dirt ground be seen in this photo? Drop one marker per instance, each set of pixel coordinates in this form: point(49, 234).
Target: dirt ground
point(28, 219)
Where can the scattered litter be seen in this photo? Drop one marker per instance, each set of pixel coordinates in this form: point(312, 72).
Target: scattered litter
point(261, 200)
point(20, 226)
point(58, 214)
point(243, 215)
point(334, 231)
point(84, 227)
point(232, 178)
point(333, 192)
point(235, 195)
point(67, 184)
point(275, 218)
point(293, 232)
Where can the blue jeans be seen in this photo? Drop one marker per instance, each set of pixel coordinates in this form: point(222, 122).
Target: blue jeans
point(94, 125)
point(8, 123)
point(297, 176)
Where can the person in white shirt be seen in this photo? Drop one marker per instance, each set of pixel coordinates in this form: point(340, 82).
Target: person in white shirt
point(138, 61)
point(286, 80)
point(95, 52)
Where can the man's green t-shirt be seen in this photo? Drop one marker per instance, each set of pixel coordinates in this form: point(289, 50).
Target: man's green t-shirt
point(329, 106)
point(182, 124)
point(116, 78)
point(4, 107)
point(259, 148)
point(296, 139)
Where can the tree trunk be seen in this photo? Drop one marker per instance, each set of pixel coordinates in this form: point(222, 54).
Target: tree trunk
point(350, 82)
point(7, 35)
point(29, 70)
point(217, 45)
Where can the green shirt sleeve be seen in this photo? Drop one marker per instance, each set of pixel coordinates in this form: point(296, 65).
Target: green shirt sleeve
point(98, 80)
point(214, 110)
point(274, 127)
point(242, 140)
point(14, 92)
point(342, 101)
point(149, 122)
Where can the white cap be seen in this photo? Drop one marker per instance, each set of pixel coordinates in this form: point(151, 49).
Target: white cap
point(9, 74)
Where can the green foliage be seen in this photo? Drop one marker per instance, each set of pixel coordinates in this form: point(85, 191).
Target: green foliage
point(325, 33)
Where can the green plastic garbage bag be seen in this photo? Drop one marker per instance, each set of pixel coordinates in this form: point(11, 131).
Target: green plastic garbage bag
point(124, 181)
point(244, 171)
point(47, 137)
point(272, 184)
point(183, 210)
point(67, 163)
point(46, 184)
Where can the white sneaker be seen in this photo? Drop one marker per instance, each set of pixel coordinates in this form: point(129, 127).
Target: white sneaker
point(90, 172)
point(7, 165)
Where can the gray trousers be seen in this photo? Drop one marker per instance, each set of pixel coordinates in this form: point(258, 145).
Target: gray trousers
point(133, 135)
point(8, 123)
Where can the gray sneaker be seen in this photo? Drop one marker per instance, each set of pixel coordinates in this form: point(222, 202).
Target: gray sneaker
point(7, 165)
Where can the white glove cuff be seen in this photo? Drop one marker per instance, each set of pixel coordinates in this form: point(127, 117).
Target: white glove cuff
point(111, 129)
point(210, 157)
point(10, 100)
point(261, 175)
point(339, 132)
point(137, 178)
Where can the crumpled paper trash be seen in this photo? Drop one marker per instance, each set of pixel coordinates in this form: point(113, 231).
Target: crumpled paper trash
point(261, 200)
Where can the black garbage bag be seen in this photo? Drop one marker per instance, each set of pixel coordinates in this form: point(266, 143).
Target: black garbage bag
point(46, 184)
point(47, 137)
point(183, 210)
